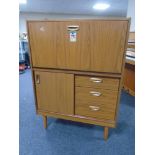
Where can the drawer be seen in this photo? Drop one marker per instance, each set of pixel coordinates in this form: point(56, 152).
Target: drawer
point(108, 97)
point(94, 110)
point(97, 82)
point(95, 102)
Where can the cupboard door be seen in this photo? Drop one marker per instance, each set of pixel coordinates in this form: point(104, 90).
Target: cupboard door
point(107, 45)
point(42, 38)
point(73, 55)
point(55, 92)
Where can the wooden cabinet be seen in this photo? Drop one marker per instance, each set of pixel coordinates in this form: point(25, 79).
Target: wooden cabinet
point(77, 68)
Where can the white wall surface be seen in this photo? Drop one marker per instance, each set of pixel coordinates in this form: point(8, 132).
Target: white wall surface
point(131, 13)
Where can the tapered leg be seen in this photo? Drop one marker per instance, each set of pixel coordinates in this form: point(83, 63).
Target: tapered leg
point(45, 121)
point(106, 129)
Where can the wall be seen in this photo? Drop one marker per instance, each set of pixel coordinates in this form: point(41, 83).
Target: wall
point(41, 16)
point(131, 13)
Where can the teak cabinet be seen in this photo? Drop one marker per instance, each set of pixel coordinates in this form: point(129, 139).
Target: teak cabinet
point(77, 68)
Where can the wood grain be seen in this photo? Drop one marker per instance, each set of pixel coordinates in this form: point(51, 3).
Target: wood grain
point(106, 83)
point(55, 92)
point(122, 70)
point(42, 38)
point(130, 62)
point(107, 97)
point(79, 72)
point(106, 130)
point(131, 45)
point(32, 72)
point(45, 121)
point(90, 120)
point(83, 109)
point(132, 36)
point(98, 52)
point(128, 90)
point(106, 103)
point(129, 78)
point(107, 45)
point(99, 46)
point(73, 55)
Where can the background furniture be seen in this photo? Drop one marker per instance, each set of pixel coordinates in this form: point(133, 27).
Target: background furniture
point(77, 68)
point(129, 71)
point(24, 60)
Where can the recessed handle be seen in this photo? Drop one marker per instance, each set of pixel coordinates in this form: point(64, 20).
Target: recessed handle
point(96, 80)
point(95, 93)
point(37, 79)
point(72, 27)
point(94, 108)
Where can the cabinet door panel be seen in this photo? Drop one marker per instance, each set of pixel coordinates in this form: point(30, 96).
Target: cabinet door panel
point(107, 45)
point(73, 55)
point(55, 92)
point(43, 43)
point(99, 45)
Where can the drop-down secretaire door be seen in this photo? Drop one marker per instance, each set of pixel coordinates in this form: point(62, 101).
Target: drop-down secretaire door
point(86, 45)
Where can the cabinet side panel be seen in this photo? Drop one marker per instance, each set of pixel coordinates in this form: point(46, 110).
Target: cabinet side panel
point(122, 69)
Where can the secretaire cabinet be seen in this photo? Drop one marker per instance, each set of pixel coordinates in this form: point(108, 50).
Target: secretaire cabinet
point(77, 68)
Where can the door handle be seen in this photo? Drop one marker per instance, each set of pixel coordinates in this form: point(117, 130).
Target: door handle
point(95, 93)
point(73, 28)
point(38, 79)
point(96, 80)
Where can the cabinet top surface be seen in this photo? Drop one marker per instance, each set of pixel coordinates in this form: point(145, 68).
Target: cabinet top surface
point(83, 19)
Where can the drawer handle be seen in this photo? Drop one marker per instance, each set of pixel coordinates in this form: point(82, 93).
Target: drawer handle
point(37, 79)
point(73, 28)
point(95, 93)
point(96, 80)
point(94, 108)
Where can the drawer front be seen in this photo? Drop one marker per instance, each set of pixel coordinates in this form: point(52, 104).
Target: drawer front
point(95, 102)
point(94, 110)
point(96, 82)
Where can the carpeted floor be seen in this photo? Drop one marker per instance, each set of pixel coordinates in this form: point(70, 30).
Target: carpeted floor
point(71, 138)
